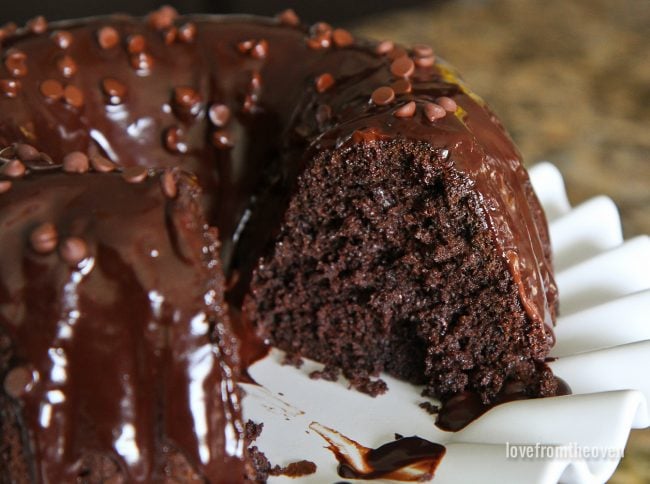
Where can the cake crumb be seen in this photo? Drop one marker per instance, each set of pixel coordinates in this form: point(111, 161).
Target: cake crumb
point(261, 466)
point(369, 386)
point(293, 359)
point(328, 373)
point(264, 468)
point(295, 469)
point(252, 431)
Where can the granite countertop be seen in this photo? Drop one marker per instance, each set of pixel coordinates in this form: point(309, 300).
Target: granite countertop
point(571, 82)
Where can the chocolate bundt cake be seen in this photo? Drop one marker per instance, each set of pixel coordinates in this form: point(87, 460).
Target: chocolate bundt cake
point(371, 213)
point(117, 353)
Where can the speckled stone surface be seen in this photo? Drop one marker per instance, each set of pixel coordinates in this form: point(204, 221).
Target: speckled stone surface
point(571, 81)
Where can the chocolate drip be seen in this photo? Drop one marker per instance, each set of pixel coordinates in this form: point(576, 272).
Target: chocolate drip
point(462, 409)
point(411, 459)
point(125, 363)
point(387, 461)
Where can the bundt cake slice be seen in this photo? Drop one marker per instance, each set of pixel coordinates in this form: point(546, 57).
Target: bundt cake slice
point(117, 360)
point(413, 243)
point(386, 262)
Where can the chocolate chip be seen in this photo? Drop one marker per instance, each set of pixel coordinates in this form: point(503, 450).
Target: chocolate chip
point(323, 113)
point(73, 96)
point(27, 152)
point(13, 169)
point(402, 67)
point(219, 114)
point(135, 174)
point(169, 35)
point(260, 49)
point(5, 186)
point(163, 17)
point(425, 61)
point(324, 82)
point(44, 238)
point(75, 162)
point(448, 103)
point(67, 66)
point(10, 87)
point(288, 17)
point(187, 100)
point(317, 43)
point(250, 101)
point(45, 161)
point(405, 110)
point(114, 90)
point(397, 52)
point(15, 62)
point(402, 86)
point(255, 84)
point(37, 25)
point(108, 37)
point(422, 50)
point(222, 139)
point(62, 38)
point(320, 36)
point(320, 28)
point(186, 97)
point(187, 33)
point(52, 89)
point(342, 38)
point(245, 46)
point(382, 95)
point(384, 47)
point(73, 250)
point(173, 140)
point(142, 62)
point(101, 164)
point(18, 381)
point(168, 184)
point(433, 111)
point(136, 43)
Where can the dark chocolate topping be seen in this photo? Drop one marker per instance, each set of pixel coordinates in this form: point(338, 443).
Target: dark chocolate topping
point(411, 459)
point(463, 408)
point(109, 357)
point(211, 70)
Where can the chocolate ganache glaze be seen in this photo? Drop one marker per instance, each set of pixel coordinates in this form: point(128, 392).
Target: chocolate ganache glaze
point(119, 337)
point(117, 349)
point(154, 104)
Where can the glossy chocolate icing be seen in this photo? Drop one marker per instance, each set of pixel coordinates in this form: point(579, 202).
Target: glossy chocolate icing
point(274, 102)
point(144, 99)
point(129, 351)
